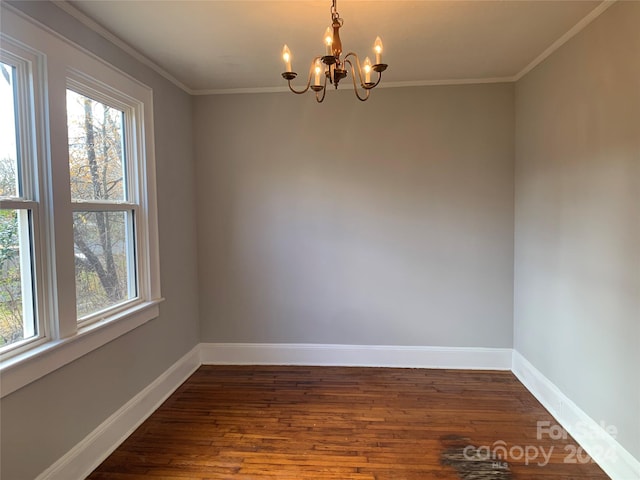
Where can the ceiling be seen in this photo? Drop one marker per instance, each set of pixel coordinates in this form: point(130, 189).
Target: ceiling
point(235, 45)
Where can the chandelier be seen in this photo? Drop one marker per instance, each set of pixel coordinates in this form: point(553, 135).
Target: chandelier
point(333, 68)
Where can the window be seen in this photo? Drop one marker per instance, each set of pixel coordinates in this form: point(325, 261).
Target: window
point(19, 319)
point(104, 203)
point(78, 228)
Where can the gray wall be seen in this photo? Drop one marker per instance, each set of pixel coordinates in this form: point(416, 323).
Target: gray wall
point(577, 241)
point(386, 222)
point(45, 419)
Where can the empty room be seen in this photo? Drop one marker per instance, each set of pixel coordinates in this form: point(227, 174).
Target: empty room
point(319, 240)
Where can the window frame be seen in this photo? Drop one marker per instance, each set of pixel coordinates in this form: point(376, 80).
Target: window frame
point(28, 64)
point(132, 110)
point(56, 62)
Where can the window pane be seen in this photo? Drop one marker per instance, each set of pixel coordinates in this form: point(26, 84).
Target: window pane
point(17, 320)
point(8, 143)
point(96, 151)
point(104, 260)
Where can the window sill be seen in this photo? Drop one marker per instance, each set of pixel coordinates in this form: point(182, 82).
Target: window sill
point(35, 363)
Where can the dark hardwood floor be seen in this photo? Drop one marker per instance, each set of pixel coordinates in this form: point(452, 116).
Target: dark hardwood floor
point(320, 423)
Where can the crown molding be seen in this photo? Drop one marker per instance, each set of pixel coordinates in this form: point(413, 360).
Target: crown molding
point(573, 31)
point(453, 81)
point(117, 41)
point(232, 91)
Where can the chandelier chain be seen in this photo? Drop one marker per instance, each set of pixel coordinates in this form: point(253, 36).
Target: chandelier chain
point(335, 16)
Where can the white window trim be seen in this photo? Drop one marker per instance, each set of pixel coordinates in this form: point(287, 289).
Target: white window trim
point(62, 339)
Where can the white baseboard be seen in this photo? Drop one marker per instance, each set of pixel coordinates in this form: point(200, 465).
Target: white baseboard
point(82, 459)
point(355, 355)
point(612, 457)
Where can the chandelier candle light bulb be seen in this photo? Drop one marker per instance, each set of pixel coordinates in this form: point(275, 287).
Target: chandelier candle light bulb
point(318, 72)
point(328, 40)
point(367, 70)
point(377, 47)
point(286, 56)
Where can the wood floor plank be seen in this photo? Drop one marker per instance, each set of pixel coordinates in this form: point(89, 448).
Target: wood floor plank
point(334, 423)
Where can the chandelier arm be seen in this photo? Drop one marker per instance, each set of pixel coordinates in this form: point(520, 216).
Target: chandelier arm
point(375, 84)
point(324, 89)
point(366, 86)
point(355, 86)
point(319, 98)
point(354, 55)
point(299, 92)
